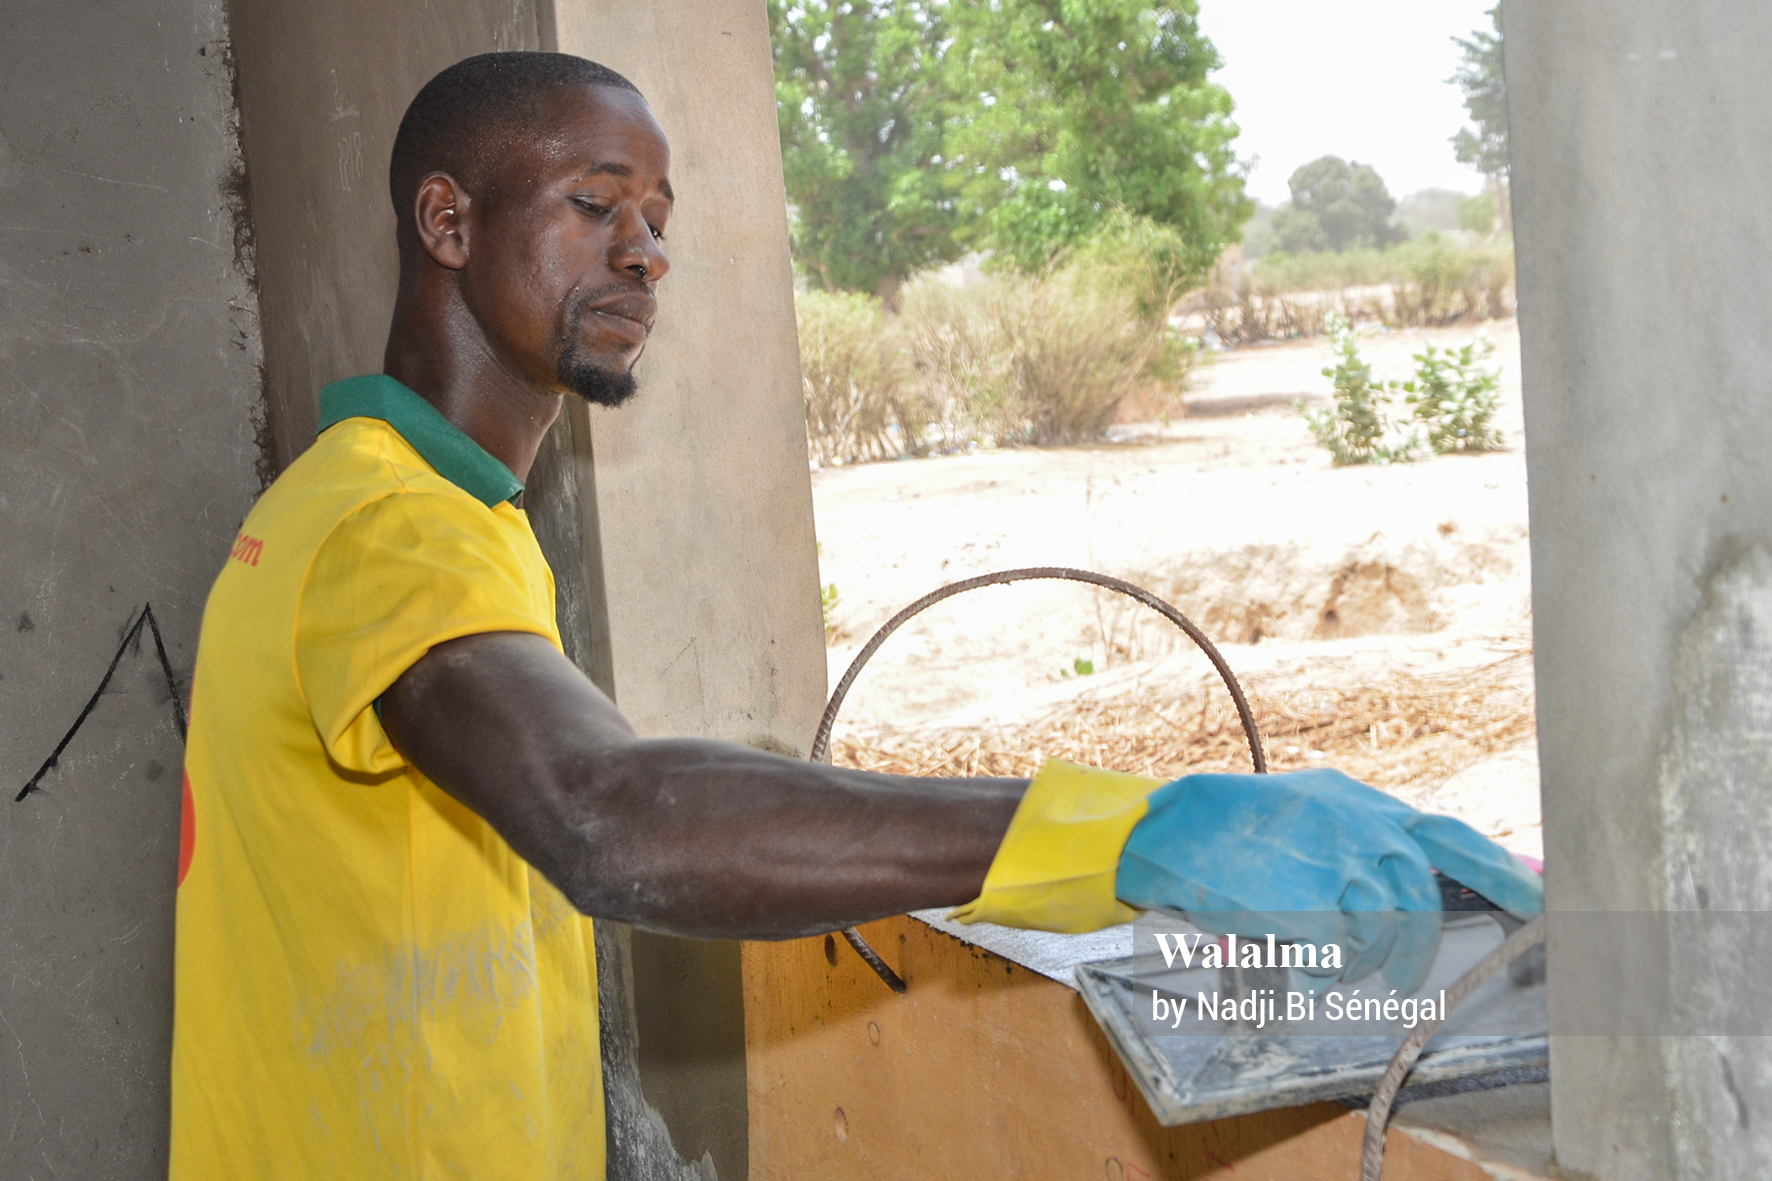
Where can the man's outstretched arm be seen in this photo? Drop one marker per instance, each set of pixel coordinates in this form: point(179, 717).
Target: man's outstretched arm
point(689, 836)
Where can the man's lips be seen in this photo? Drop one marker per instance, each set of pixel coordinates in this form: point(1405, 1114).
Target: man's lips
point(629, 317)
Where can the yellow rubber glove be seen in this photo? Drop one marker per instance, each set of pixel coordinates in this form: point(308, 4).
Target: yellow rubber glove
point(1056, 867)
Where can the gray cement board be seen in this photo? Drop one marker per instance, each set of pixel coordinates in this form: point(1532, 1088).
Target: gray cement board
point(1642, 156)
point(129, 387)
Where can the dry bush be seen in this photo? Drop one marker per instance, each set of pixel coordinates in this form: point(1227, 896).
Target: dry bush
point(1431, 281)
point(1017, 359)
point(1438, 282)
point(954, 339)
point(1077, 350)
point(1044, 359)
point(1244, 317)
point(1406, 734)
point(862, 401)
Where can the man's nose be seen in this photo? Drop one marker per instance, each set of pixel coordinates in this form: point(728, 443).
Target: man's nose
point(638, 251)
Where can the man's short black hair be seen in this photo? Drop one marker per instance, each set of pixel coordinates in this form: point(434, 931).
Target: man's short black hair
point(453, 122)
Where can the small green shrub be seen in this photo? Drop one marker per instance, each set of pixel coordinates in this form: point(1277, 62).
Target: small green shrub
point(828, 599)
point(1455, 400)
point(1355, 427)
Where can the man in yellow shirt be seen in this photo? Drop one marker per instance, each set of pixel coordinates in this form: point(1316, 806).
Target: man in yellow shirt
point(402, 800)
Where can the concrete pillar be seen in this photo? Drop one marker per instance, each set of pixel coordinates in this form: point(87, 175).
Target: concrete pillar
point(710, 569)
point(1642, 159)
point(129, 401)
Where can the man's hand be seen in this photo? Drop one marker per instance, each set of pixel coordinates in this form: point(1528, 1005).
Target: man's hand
point(687, 836)
point(1317, 856)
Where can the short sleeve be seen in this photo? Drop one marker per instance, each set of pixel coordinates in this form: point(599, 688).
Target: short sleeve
point(393, 579)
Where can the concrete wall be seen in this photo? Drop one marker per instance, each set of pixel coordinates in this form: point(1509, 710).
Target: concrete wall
point(710, 569)
point(1642, 156)
point(129, 390)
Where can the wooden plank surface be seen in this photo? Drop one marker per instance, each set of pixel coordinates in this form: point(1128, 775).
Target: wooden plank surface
point(985, 1069)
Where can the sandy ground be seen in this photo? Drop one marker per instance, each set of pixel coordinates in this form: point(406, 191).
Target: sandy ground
point(1304, 572)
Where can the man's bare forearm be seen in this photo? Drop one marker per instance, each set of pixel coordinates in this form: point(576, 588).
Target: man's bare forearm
point(689, 836)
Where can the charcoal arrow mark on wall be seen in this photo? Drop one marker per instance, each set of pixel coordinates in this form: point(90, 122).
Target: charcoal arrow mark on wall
point(131, 636)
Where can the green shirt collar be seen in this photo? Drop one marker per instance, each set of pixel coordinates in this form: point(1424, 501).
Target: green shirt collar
point(455, 456)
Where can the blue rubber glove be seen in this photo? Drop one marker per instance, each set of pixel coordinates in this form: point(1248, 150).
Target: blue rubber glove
point(1314, 856)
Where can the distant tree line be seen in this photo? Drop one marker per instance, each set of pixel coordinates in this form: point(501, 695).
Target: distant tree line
point(1341, 205)
point(1336, 206)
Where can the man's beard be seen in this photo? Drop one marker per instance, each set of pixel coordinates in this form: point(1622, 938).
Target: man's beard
point(585, 376)
point(594, 382)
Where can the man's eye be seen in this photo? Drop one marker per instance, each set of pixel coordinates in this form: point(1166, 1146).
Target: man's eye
point(657, 233)
point(592, 207)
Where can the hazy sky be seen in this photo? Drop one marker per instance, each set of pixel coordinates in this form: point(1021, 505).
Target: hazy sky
point(1361, 79)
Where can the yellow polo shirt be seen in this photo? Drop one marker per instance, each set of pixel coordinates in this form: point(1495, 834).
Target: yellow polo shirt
point(369, 982)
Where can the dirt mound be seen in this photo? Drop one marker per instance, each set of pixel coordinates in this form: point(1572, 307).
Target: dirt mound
point(1373, 598)
point(1300, 591)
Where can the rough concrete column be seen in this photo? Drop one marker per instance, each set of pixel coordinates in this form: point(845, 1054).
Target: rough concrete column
point(703, 496)
point(1642, 159)
point(129, 389)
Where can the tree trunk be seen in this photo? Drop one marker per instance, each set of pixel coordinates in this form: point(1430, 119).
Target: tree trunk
point(1503, 197)
point(888, 291)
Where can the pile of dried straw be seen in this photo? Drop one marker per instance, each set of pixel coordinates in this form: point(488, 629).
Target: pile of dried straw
point(1407, 733)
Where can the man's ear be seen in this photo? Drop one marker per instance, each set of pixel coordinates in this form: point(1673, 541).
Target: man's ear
point(439, 212)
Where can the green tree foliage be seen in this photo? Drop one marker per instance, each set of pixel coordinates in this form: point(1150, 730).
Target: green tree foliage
point(914, 130)
point(1336, 206)
point(1477, 213)
point(1066, 110)
point(861, 99)
point(1485, 98)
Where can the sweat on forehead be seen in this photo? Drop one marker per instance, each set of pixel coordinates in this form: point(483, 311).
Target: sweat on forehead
point(449, 126)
